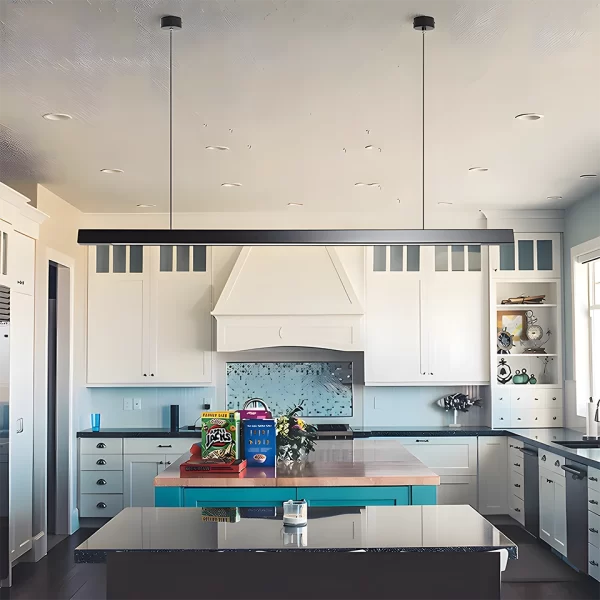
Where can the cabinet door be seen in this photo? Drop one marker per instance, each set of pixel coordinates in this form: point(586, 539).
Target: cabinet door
point(393, 329)
point(546, 491)
point(493, 475)
point(118, 320)
point(455, 318)
point(560, 515)
point(22, 263)
point(181, 323)
point(139, 471)
point(533, 255)
point(21, 423)
point(446, 456)
point(6, 234)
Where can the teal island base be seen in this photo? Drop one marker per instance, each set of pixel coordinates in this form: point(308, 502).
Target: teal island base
point(315, 496)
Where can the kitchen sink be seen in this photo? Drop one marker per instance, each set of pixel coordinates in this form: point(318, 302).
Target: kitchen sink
point(576, 444)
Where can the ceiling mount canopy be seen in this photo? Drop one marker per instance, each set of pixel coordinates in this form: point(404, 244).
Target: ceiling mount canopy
point(314, 237)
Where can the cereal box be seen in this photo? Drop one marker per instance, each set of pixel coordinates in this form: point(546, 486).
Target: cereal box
point(220, 435)
point(260, 442)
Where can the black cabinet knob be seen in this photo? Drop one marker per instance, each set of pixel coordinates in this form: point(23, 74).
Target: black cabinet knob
point(101, 482)
point(151, 374)
point(168, 462)
point(145, 375)
point(557, 464)
point(593, 563)
point(517, 485)
point(593, 479)
point(101, 505)
point(101, 445)
point(101, 462)
point(593, 530)
point(593, 501)
point(544, 457)
point(517, 510)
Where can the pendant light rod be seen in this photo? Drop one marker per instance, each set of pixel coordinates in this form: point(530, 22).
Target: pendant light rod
point(423, 24)
point(170, 23)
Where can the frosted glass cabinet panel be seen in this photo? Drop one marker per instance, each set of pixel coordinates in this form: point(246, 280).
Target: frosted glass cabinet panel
point(532, 255)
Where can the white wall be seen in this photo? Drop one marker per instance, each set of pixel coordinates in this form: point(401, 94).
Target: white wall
point(57, 241)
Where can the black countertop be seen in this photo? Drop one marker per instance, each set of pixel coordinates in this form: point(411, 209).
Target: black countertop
point(143, 432)
point(363, 432)
point(370, 529)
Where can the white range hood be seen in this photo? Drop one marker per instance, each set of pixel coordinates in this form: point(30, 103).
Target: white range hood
point(288, 296)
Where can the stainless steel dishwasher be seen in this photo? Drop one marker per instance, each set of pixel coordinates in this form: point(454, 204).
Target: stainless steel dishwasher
point(577, 514)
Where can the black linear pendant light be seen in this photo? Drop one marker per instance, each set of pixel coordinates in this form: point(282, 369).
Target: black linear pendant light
point(292, 237)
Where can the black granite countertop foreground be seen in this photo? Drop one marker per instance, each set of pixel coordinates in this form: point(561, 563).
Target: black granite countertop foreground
point(370, 529)
point(470, 431)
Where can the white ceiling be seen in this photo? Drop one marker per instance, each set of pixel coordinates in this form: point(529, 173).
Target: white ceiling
point(297, 89)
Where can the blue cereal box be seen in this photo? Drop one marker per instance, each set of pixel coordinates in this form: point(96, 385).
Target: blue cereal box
point(260, 442)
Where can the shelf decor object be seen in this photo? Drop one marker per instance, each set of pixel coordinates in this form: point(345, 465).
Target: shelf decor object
point(513, 321)
point(504, 372)
point(457, 402)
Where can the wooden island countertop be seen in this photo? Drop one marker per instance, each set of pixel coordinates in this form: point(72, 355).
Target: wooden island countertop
point(352, 463)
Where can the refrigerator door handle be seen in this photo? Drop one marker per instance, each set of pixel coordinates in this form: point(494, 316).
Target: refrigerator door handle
point(20, 426)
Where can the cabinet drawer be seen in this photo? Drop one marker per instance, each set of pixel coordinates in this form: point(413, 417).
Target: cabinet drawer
point(446, 456)
point(501, 417)
point(515, 443)
point(594, 562)
point(516, 461)
point(108, 482)
point(101, 462)
point(158, 445)
point(554, 417)
point(594, 501)
point(594, 529)
point(517, 486)
point(517, 508)
point(554, 398)
point(101, 505)
point(101, 445)
point(551, 462)
point(594, 479)
point(528, 398)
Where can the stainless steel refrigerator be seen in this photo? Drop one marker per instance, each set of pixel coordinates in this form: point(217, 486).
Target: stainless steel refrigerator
point(4, 430)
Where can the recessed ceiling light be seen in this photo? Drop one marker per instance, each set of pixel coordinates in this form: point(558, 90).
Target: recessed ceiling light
point(295, 204)
point(231, 185)
point(529, 117)
point(478, 169)
point(588, 176)
point(217, 148)
point(57, 116)
point(111, 171)
point(554, 198)
point(146, 205)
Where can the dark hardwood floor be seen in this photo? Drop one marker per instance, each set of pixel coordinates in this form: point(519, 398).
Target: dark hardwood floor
point(57, 577)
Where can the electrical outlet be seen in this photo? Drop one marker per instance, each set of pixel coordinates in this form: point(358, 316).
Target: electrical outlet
point(137, 404)
point(127, 403)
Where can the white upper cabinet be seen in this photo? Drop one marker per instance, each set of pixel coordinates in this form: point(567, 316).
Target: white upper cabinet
point(149, 316)
point(533, 255)
point(426, 315)
point(6, 234)
point(21, 262)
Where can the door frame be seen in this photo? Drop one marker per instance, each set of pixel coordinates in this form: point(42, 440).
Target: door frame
point(67, 517)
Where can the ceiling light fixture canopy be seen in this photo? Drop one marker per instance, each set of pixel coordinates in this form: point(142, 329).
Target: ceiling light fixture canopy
point(111, 171)
point(57, 117)
point(529, 117)
point(305, 237)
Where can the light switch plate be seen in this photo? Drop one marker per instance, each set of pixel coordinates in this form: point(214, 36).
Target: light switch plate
point(127, 403)
point(137, 404)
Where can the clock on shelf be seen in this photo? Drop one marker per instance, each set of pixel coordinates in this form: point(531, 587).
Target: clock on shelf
point(534, 335)
point(505, 341)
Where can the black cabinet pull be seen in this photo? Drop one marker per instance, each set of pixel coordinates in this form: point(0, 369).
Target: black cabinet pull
point(517, 464)
point(101, 445)
point(544, 457)
point(593, 501)
point(161, 463)
point(554, 418)
point(517, 510)
point(517, 485)
point(151, 374)
point(557, 463)
point(101, 482)
point(549, 481)
point(101, 505)
point(593, 563)
point(421, 440)
point(593, 530)
point(165, 446)
point(168, 462)
point(593, 479)
point(100, 462)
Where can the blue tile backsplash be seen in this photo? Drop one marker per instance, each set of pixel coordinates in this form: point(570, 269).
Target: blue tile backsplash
point(324, 388)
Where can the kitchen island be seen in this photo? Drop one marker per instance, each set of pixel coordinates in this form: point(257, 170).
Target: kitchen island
point(344, 552)
point(339, 473)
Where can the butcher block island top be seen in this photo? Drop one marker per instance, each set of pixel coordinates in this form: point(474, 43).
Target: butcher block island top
point(340, 463)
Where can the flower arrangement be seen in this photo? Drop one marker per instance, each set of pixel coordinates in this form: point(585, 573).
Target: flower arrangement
point(295, 437)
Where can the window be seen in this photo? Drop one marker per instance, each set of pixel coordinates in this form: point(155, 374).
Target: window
point(594, 324)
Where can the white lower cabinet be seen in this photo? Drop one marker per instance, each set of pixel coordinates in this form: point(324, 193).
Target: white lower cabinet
point(553, 510)
point(139, 473)
point(458, 489)
point(517, 509)
point(492, 475)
